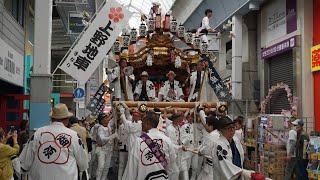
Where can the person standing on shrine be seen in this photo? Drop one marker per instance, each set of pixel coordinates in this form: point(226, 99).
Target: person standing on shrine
point(171, 89)
point(144, 90)
point(205, 26)
point(122, 77)
point(54, 151)
point(104, 145)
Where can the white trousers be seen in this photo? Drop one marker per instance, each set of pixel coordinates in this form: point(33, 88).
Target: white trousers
point(104, 160)
point(123, 159)
point(196, 164)
point(93, 163)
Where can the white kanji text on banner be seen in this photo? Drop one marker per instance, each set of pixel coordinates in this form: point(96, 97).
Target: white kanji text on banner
point(95, 42)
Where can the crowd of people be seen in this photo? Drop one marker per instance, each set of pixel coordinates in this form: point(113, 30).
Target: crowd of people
point(197, 144)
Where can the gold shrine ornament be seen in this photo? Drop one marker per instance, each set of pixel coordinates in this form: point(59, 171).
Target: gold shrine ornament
point(143, 108)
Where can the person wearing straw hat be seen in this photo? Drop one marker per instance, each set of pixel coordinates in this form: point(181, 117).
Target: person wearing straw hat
point(54, 151)
point(104, 144)
point(144, 90)
point(155, 9)
point(171, 90)
point(228, 154)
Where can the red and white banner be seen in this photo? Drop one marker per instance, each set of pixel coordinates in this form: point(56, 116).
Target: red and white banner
point(88, 52)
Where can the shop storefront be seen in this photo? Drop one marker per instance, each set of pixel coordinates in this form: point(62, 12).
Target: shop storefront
point(11, 83)
point(315, 63)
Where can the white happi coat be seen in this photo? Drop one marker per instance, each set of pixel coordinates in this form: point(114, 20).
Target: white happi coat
point(166, 87)
point(133, 129)
point(54, 152)
point(223, 168)
point(143, 165)
point(115, 79)
point(149, 88)
point(206, 149)
point(207, 93)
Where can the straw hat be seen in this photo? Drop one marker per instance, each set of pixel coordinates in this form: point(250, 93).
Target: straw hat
point(156, 4)
point(171, 72)
point(144, 73)
point(60, 111)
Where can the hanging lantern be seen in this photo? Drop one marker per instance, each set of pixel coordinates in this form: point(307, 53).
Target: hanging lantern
point(181, 31)
point(196, 42)
point(158, 21)
point(204, 48)
point(125, 41)
point(188, 37)
point(177, 63)
point(133, 35)
point(173, 26)
point(142, 30)
point(116, 47)
point(151, 24)
point(149, 60)
point(167, 22)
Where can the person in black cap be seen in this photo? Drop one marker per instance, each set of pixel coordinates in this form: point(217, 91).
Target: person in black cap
point(228, 153)
point(104, 145)
point(174, 133)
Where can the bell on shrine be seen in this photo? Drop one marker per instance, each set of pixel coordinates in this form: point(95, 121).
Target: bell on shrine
point(173, 26)
point(116, 47)
point(158, 22)
point(204, 48)
point(167, 22)
point(181, 31)
point(151, 24)
point(133, 35)
point(196, 42)
point(125, 41)
point(142, 30)
point(188, 37)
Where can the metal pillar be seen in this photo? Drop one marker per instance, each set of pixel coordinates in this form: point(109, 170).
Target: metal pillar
point(41, 78)
point(237, 57)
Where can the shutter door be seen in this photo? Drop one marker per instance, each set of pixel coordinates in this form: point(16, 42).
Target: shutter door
point(280, 71)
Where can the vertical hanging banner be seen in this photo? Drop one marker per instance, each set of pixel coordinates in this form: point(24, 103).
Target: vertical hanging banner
point(94, 43)
point(215, 81)
point(97, 102)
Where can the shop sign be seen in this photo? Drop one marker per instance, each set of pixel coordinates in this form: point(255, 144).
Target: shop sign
point(11, 64)
point(279, 48)
point(98, 37)
point(315, 58)
point(278, 18)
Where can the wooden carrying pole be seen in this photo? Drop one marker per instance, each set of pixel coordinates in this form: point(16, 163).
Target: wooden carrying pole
point(171, 110)
point(201, 84)
point(166, 104)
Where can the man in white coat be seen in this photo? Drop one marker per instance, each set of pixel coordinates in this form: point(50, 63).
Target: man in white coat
point(104, 145)
point(122, 80)
point(54, 151)
point(207, 94)
point(206, 147)
point(228, 154)
point(144, 90)
point(127, 129)
point(152, 154)
point(171, 89)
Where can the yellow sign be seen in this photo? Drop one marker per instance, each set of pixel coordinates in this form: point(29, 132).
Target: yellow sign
point(315, 58)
